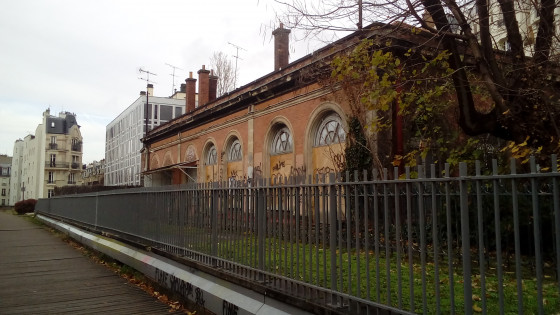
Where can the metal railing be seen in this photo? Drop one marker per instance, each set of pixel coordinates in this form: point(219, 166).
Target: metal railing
point(57, 164)
point(428, 244)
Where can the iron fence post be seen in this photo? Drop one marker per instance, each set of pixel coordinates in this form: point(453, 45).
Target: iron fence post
point(332, 235)
point(465, 237)
point(214, 221)
point(261, 220)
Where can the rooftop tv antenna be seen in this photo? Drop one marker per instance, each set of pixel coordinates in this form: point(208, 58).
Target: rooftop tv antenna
point(147, 79)
point(173, 75)
point(236, 58)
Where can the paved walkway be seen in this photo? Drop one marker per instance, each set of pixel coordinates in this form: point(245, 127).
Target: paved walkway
point(41, 274)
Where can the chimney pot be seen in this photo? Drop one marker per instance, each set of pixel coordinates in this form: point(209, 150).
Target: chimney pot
point(213, 88)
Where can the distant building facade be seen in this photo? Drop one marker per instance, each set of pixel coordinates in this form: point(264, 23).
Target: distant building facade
point(527, 16)
point(123, 134)
point(50, 158)
point(93, 174)
point(5, 172)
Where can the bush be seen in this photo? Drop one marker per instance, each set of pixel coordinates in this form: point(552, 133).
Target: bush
point(74, 189)
point(25, 206)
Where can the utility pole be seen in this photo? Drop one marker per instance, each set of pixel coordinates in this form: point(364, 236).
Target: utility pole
point(173, 75)
point(236, 58)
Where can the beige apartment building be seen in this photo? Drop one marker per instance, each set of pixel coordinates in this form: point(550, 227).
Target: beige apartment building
point(50, 158)
point(5, 171)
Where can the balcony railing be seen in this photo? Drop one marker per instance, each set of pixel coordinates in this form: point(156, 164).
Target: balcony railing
point(75, 165)
point(53, 146)
point(77, 147)
point(57, 164)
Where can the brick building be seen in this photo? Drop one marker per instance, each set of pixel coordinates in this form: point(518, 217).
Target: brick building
point(285, 123)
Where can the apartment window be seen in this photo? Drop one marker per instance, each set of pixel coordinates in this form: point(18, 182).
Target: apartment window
point(155, 111)
point(50, 193)
point(76, 144)
point(53, 159)
point(75, 161)
point(166, 112)
point(71, 178)
point(51, 177)
point(3, 191)
point(53, 145)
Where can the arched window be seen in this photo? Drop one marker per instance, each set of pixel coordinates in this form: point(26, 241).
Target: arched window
point(235, 153)
point(330, 131)
point(212, 156)
point(282, 141)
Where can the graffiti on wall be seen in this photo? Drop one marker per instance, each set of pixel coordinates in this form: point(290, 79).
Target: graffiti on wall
point(181, 287)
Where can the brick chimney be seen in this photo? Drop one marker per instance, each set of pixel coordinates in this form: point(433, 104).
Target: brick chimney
point(190, 88)
point(150, 89)
point(203, 86)
point(281, 47)
point(213, 89)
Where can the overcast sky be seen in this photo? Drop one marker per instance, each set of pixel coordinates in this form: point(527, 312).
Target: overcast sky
point(83, 56)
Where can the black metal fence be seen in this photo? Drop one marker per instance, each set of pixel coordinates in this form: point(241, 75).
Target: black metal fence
point(425, 243)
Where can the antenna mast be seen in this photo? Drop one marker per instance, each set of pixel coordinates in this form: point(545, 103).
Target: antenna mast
point(236, 58)
point(147, 97)
point(173, 75)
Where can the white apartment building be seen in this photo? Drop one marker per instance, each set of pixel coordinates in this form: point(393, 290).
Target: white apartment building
point(123, 134)
point(527, 16)
point(5, 171)
point(50, 158)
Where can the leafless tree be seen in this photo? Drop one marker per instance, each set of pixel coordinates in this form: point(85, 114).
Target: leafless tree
point(225, 71)
point(513, 47)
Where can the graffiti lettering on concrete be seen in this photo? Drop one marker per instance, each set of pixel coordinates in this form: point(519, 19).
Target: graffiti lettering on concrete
point(179, 286)
point(199, 299)
point(229, 308)
point(183, 288)
point(161, 277)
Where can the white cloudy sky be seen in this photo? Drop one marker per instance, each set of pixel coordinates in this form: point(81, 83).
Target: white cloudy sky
point(83, 56)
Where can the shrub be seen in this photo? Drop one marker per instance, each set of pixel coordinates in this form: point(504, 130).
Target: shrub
point(25, 206)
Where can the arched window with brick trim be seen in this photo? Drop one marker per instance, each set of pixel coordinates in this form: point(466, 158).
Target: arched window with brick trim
point(330, 131)
point(211, 156)
point(282, 142)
